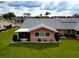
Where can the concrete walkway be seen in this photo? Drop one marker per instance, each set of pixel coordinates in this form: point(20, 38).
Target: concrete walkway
point(35, 42)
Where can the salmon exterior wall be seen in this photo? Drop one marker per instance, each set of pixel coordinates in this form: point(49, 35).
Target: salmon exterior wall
point(35, 38)
point(62, 32)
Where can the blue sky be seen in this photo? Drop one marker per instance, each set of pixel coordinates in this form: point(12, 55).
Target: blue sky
point(58, 7)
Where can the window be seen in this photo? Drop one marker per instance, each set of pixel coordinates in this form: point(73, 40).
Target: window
point(69, 31)
point(47, 34)
point(77, 32)
point(42, 34)
point(22, 34)
point(37, 34)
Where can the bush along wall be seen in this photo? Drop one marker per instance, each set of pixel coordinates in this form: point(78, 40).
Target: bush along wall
point(15, 38)
point(57, 37)
point(8, 27)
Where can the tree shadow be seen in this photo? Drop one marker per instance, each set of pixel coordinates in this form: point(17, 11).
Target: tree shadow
point(37, 46)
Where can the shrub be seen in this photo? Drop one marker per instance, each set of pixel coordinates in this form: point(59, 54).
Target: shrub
point(15, 38)
point(4, 26)
point(10, 26)
point(39, 40)
point(57, 37)
point(7, 27)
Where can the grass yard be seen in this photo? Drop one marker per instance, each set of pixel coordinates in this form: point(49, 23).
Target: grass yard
point(66, 48)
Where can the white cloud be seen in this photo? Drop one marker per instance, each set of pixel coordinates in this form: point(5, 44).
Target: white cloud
point(73, 7)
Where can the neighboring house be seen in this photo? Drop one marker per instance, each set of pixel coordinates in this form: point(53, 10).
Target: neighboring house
point(15, 19)
point(4, 23)
point(44, 29)
point(1, 16)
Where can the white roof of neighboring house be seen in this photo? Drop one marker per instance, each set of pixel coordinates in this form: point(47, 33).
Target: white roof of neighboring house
point(50, 23)
point(22, 30)
point(6, 23)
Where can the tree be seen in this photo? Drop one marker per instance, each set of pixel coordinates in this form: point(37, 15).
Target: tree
point(8, 15)
point(27, 14)
point(75, 15)
point(47, 13)
point(5, 16)
point(21, 19)
point(41, 15)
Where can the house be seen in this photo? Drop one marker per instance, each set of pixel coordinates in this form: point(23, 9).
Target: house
point(4, 23)
point(44, 29)
point(15, 19)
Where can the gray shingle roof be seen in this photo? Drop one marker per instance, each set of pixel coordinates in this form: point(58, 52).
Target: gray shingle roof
point(57, 23)
point(69, 23)
point(76, 27)
point(30, 22)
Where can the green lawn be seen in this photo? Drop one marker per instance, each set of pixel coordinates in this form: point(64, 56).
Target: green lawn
point(66, 48)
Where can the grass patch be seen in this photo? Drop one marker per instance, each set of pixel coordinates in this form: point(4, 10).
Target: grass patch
point(67, 48)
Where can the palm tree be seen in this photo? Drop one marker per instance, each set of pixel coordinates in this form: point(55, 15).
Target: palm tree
point(27, 14)
point(47, 13)
point(40, 15)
